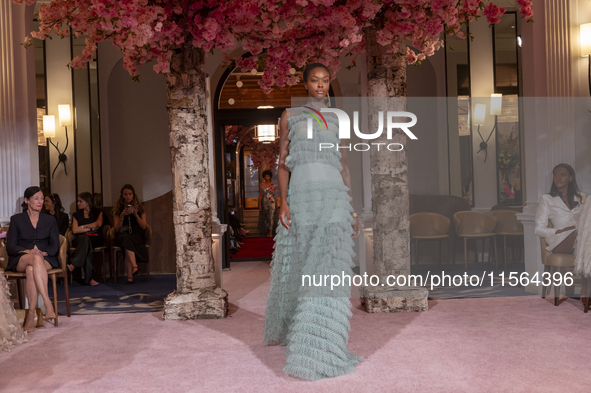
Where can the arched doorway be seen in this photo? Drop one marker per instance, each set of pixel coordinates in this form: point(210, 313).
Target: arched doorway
point(239, 101)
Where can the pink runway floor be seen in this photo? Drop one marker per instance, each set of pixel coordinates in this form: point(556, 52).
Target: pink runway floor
point(520, 344)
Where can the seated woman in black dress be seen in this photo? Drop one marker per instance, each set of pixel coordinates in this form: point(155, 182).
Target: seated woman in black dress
point(53, 206)
point(86, 227)
point(33, 245)
point(130, 223)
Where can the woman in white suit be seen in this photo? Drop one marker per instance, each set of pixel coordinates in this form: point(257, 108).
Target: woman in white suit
point(562, 206)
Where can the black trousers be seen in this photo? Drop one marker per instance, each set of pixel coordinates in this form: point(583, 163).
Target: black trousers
point(83, 256)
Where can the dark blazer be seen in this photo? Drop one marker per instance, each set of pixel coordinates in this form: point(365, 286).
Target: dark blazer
point(63, 223)
point(22, 236)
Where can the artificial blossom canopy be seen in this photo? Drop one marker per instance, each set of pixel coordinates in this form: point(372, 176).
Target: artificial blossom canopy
point(281, 35)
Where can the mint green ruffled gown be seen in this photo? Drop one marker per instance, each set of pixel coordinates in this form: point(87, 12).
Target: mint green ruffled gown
point(313, 321)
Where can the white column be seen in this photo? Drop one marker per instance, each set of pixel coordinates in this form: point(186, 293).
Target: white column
point(19, 160)
point(548, 112)
point(218, 229)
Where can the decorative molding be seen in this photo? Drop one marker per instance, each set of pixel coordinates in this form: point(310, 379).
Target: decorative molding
point(559, 74)
point(9, 184)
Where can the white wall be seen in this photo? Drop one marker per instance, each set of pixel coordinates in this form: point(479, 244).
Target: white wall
point(427, 156)
point(139, 150)
point(482, 86)
point(59, 91)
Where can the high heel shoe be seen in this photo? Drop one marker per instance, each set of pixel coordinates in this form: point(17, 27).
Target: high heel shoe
point(135, 271)
point(28, 330)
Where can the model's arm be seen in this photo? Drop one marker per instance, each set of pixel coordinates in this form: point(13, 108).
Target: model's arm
point(260, 197)
point(347, 180)
point(283, 171)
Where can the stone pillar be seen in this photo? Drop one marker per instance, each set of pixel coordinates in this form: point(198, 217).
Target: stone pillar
point(197, 295)
point(19, 160)
point(386, 79)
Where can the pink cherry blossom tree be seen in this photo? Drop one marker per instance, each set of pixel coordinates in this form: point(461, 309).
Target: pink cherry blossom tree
point(175, 34)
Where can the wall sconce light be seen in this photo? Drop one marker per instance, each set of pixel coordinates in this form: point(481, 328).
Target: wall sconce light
point(49, 126)
point(586, 47)
point(266, 133)
point(65, 118)
point(496, 106)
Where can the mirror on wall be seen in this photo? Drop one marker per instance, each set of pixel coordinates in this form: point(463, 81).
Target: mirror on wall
point(508, 135)
point(87, 132)
point(41, 104)
point(461, 173)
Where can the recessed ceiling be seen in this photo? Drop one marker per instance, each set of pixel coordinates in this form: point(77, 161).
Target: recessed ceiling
point(250, 95)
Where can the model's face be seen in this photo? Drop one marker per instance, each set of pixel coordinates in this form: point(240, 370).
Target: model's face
point(267, 178)
point(562, 177)
point(81, 204)
point(127, 196)
point(48, 203)
point(318, 82)
point(35, 203)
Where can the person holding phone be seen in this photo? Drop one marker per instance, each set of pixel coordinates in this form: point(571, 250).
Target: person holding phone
point(130, 224)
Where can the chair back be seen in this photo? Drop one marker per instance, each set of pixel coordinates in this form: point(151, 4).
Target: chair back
point(428, 224)
point(507, 221)
point(474, 223)
point(518, 209)
point(63, 254)
point(3, 256)
point(148, 235)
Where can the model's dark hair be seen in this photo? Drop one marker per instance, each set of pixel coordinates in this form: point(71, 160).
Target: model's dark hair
point(29, 192)
point(58, 209)
point(571, 191)
point(267, 172)
point(315, 65)
point(88, 198)
point(120, 205)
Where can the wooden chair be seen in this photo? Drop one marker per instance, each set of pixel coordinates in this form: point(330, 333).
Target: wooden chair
point(554, 262)
point(53, 273)
point(508, 225)
point(428, 226)
point(103, 250)
point(446, 205)
point(116, 250)
point(476, 225)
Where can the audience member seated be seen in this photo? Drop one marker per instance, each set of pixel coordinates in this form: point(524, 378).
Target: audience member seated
point(86, 227)
point(562, 206)
point(53, 207)
point(238, 228)
point(33, 246)
point(129, 225)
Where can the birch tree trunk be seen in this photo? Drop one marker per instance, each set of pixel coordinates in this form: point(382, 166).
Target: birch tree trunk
point(389, 183)
point(196, 296)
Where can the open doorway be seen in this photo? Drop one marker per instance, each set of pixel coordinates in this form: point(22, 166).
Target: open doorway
point(239, 102)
